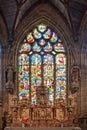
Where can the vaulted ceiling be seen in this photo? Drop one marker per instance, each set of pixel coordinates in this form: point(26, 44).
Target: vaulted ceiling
point(13, 11)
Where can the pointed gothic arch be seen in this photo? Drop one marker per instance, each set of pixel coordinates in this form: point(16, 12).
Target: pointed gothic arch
point(42, 61)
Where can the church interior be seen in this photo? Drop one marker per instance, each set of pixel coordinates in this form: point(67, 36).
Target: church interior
point(43, 63)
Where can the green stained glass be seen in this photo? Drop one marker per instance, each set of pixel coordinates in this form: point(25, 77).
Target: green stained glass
point(42, 28)
point(54, 37)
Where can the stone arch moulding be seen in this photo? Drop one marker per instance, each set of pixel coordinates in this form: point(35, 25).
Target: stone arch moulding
point(55, 27)
point(49, 22)
point(50, 17)
point(83, 30)
point(29, 27)
point(3, 31)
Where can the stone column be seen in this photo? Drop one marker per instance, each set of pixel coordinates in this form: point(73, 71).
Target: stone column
point(0, 86)
point(84, 83)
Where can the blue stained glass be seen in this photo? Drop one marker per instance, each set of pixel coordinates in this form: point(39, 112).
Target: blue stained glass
point(36, 47)
point(47, 34)
point(59, 89)
point(48, 47)
point(24, 75)
point(48, 58)
point(21, 94)
point(36, 59)
point(42, 42)
point(61, 78)
point(23, 59)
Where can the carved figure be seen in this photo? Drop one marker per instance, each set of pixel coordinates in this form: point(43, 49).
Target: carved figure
point(75, 74)
point(75, 79)
point(10, 78)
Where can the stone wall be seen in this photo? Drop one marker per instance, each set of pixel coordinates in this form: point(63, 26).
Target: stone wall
point(83, 42)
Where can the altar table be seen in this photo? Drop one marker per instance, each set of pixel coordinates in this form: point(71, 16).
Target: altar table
point(43, 128)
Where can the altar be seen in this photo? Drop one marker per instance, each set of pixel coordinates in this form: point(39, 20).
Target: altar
point(45, 128)
point(41, 116)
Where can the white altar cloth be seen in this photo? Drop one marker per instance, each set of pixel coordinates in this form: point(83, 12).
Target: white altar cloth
point(43, 128)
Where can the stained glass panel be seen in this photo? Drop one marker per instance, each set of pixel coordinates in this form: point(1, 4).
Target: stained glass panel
point(59, 47)
point(48, 72)
point(41, 27)
point(30, 38)
point(36, 47)
point(25, 48)
point(47, 34)
point(23, 75)
point(36, 74)
point(48, 47)
point(42, 42)
point(60, 75)
point(37, 34)
point(54, 37)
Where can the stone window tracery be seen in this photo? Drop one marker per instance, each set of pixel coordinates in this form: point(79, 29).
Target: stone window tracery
point(42, 62)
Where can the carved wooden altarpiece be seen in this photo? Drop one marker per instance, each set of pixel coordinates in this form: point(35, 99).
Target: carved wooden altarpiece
point(41, 114)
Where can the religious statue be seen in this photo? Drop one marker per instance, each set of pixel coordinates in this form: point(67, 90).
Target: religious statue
point(75, 78)
point(10, 76)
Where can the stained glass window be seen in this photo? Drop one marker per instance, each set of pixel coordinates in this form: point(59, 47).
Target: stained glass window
point(42, 62)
